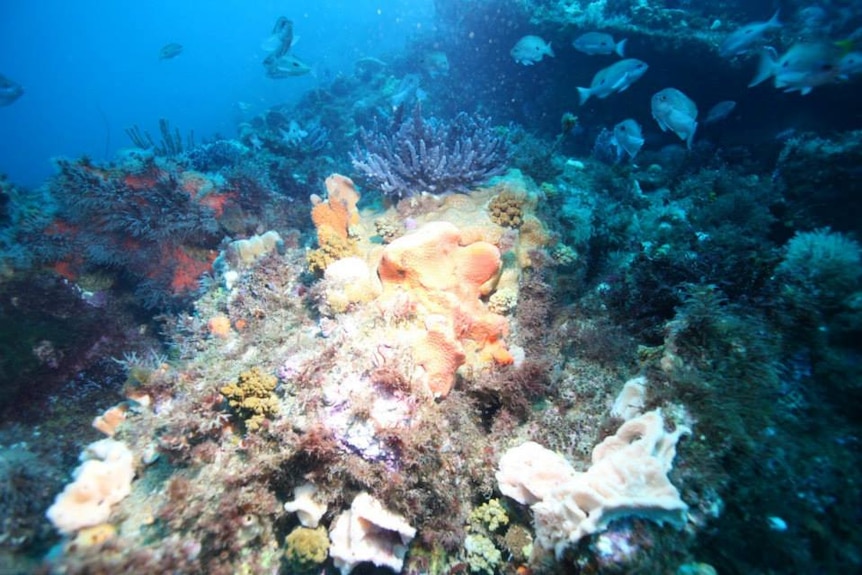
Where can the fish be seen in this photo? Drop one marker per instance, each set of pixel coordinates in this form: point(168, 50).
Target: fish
point(531, 49)
point(628, 137)
point(676, 112)
point(850, 64)
point(741, 40)
point(802, 68)
point(286, 66)
point(435, 64)
point(720, 111)
point(9, 91)
point(593, 43)
point(615, 78)
point(281, 62)
point(171, 50)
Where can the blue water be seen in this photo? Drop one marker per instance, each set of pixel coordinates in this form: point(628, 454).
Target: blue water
point(91, 68)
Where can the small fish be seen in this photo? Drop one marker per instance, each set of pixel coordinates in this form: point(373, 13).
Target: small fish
point(9, 91)
point(741, 40)
point(850, 64)
point(286, 66)
point(531, 49)
point(801, 69)
point(593, 43)
point(628, 137)
point(435, 64)
point(615, 78)
point(171, 50)
point(720, 111)
point(676, 112)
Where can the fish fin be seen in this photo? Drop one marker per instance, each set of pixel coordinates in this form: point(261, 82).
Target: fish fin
point(620, 82)
point(621, 48)
point(774, 22)
point(551, 51)
point(806, 90)
point(691, 136)
point(584, 94)
point(766, 67)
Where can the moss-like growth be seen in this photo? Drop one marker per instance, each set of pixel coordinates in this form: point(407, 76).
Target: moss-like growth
point(306, 549)
point(252, 396)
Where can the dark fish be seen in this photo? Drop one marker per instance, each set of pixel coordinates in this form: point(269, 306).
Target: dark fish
point(720, 111)
point(9, 91)
point(169, 51)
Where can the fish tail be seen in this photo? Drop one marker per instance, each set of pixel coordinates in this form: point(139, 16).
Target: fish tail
point(584, 94)
point(621, 47)
point(774, 22)
point(551, 51)
point(766, 67)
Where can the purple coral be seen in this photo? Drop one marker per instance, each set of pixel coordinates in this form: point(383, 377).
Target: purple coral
point(431, 156)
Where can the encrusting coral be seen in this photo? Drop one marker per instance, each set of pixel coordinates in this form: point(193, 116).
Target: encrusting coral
point(252, 396)
point(306, 549)
point(507, 209)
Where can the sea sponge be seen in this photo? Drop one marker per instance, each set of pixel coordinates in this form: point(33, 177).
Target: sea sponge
point(628, 478)
point(369, 532)
point(338, 212)
point(252, 396)
point(348, 281)
point(306, 549)
point(335, 218)
point(103, 479)
point(306, 508)
point(247, 251)
point(447, 277)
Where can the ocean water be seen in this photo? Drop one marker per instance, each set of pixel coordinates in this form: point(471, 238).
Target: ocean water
point(92, 69)
point(423, 308)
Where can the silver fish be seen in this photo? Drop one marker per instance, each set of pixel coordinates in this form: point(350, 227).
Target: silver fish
point(720, 111)
point(628, 137)
point(676, 112)
point(9, 91)
point(741, 40)
point(531, 49)
point(802, 68)
point(615, 78)
point(593, 43)
point(281, 62)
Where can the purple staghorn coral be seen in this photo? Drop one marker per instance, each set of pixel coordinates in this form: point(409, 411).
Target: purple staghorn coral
point(431, 156)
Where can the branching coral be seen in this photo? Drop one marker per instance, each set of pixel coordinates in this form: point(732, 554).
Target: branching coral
point(431, 156)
